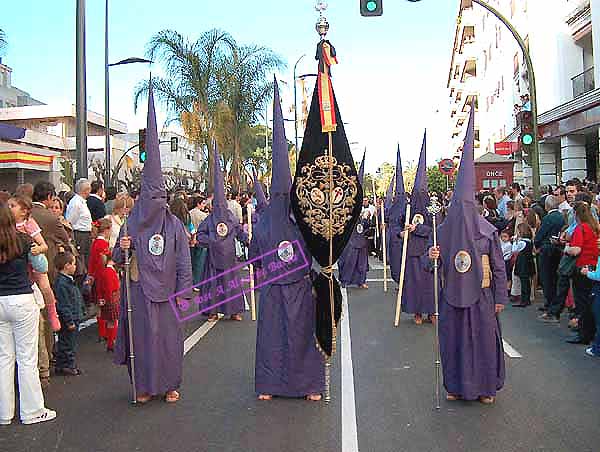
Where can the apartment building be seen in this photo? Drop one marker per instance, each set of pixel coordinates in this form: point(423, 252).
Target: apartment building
point(488, 65)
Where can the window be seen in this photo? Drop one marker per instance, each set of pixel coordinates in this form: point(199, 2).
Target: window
point(486, 183)
point(503, 183)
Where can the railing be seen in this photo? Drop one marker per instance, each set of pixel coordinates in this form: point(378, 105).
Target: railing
point(583, 83)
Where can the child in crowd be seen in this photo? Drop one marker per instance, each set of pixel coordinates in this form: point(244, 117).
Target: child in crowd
point(507, 254)
point(107, 291)
point(97, 261)
point(594, 275)
point(20, 207)
point(524, 263)
point(70, 311)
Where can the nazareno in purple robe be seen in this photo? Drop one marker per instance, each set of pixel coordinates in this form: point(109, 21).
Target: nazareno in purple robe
point(353, 264)
point(157, 334)
point(218, 233)
point(470, 336)
point(288, 362)
point(395, 218)
point(417, 296)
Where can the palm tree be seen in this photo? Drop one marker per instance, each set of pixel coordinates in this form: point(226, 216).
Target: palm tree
point(245, 88)
point(189, 88)
point(213, 88)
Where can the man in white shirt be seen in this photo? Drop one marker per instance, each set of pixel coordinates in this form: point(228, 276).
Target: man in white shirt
point(235, 207)
point(80, 217)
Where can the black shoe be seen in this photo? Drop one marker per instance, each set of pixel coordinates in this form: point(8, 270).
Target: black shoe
point(521, 305)
point(542, 309)
point(577, 339)
point(71, 372)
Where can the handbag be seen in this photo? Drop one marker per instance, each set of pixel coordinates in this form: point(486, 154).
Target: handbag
point(567, 265)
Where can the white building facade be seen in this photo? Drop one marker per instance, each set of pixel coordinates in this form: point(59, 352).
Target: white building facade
point(559, 36)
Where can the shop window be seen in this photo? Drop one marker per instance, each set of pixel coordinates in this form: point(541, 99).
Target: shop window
point(486, 183)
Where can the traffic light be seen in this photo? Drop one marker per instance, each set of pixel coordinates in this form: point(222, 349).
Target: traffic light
point(526, 138)
point(371, 8)
point(174, 144)
point(142, 144)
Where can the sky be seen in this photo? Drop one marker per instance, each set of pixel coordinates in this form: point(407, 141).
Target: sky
point(389, 83)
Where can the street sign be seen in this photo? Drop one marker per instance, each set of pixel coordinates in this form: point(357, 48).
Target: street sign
point(506, 148)
point(446, 167)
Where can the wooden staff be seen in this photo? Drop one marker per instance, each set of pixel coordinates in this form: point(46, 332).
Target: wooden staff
point(376, 216)
point(127, 264)
point(333, 327)
point(403, 267)
point(383, 248)
point(252, 296)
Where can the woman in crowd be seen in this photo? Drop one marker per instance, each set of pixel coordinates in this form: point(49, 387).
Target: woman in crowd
point(19, 320)
point(583, 244)
point(121, 208)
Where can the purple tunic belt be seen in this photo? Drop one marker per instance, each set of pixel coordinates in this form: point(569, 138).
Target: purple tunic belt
point(288, 363)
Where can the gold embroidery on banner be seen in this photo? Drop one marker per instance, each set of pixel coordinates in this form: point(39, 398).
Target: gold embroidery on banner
point(312, 190)
point(486, 282)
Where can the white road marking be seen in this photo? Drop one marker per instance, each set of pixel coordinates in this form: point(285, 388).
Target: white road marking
point(349, 429)
point(197, 335)
point(510, 350)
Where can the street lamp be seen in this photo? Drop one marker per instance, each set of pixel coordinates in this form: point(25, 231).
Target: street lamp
point(107, 176)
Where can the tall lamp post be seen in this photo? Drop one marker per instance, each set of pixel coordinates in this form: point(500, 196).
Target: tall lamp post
point(535, 157)
point(80, 91)
point(107, 150)
point(107, 111)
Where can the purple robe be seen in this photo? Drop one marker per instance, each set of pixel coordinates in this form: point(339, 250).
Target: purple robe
point(470, 337)
point(220, 258)
point(157, 334)
point(160, 244)
point(353, 264)
point(417, 294)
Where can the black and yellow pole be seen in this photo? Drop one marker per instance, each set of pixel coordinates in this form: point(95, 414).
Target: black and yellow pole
point(535, 155)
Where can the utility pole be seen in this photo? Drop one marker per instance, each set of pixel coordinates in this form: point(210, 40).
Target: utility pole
point(107, 156)
point(81, 92)
point(535, 157)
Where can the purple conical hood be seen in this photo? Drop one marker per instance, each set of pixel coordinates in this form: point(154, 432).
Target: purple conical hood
point(399, 176)
point(460, 230)
point(219, 203)
point(420, 184)
point(153, 183)
point(281, 181)
point(361, 170)
point(419, 198)
point(261, 200)
point(151, 219)
point(389, 194)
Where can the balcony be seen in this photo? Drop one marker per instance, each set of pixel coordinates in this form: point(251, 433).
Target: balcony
point(583, 83)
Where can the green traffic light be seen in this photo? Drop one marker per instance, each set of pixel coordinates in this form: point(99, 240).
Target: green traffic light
point(527, 139)
point(143, 157)
point(371, 6)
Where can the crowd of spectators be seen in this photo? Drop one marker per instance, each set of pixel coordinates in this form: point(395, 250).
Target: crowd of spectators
point(56, 272)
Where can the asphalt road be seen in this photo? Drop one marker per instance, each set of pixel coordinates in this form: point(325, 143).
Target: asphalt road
point(550, 402)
